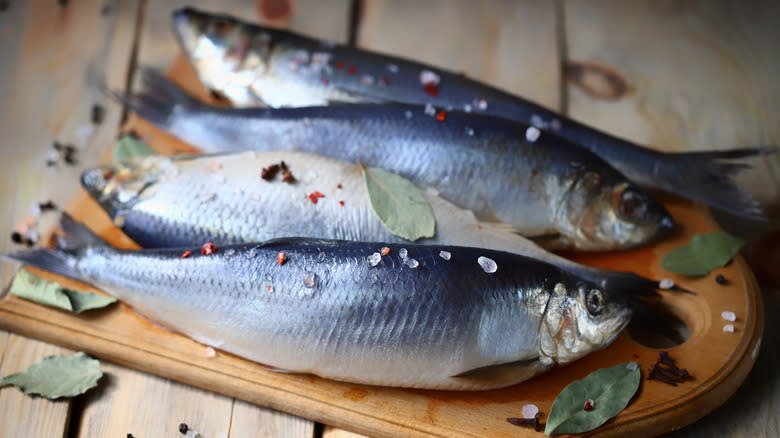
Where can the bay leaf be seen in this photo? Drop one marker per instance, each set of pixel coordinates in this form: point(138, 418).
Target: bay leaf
point(31, 287)
point(57, 376)
point(128, 146)
point(704, 253)
point(610, 389)
point(399, 204)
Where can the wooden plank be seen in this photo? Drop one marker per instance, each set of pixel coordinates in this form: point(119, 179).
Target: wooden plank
point(510, 44)
point(129, 401)
point(333, 432)
point(703, 76)
point(20, 414)
point(48, 51)
point(249, 420)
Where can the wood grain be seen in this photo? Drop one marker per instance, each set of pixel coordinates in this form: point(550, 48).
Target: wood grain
point(42, 417)
point(510, 44)
point(704, 76)
point(250, 420)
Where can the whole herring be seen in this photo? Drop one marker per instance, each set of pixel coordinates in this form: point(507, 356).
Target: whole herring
point(548, 187)
point(158, 202)
point(445, 324)
point(254, 65)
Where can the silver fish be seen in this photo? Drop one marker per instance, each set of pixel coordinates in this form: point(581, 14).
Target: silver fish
point(254, 65)
point(538, 183)
point(184, 201)
point(479, 320)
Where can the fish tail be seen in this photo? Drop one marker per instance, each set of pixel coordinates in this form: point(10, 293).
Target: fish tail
point(708, 177)
point(158, 100)
point(63, 259)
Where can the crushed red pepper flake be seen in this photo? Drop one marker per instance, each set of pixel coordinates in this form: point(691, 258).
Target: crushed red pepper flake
point(339, 64)
point(208, 248)
point(315, 196)
point(441, 116)
point(383, 81)
point(341, 203)
point(186, 254)
point(588, 405)
point(384, 251)
point(281, 258)
point(338, 186)
point(352, 70)
point(432, 89)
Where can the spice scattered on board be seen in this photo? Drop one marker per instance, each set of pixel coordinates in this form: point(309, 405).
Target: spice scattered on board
point(666, 371)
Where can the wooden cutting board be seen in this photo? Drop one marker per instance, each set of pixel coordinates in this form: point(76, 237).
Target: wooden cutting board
point(718, 360)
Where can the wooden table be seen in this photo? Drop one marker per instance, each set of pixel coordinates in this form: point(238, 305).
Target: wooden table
point(700, 77)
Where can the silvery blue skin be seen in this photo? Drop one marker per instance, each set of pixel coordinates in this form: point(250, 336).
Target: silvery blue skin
point(254, 65)
point(537, 183)
point(185, 201)
point(477, 319)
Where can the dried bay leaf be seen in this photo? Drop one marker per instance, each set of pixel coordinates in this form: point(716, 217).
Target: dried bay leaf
point(704, 253)
point(31, 287)
point(57, 376)
point(610, 389)
point(399, 204)
point(128, 146)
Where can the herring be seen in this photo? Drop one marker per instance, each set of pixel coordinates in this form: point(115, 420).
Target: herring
point(185, 201)
point(545, 187)
point(254, 65)
point(444, 324)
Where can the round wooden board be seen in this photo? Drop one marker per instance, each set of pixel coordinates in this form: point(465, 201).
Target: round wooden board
point(718, 360)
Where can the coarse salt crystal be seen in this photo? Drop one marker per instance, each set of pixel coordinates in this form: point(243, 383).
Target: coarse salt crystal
point(310, 278)
point(408, 114)
point(729, 328)
point(210, 352)
point(430, 110)
point(729, 316)
point(632, 366)
point(532, 134)
point(666, 283)
point(446, 255)
point(374, 259)
point(403, 253)
point(469, 131)
point(488, 265)
point(466, 108)
point(392, 68)
point(530, 411)
point(481, 103)
point(412, 263)
point(428, 77)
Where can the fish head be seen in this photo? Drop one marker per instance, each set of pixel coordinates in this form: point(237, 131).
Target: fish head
point(223, 50)
point(579, 319)
point(604, 211)
point(118, 186)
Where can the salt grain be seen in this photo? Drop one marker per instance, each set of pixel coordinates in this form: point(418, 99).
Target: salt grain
point(467, 108)
point(408, 114)
point(532, 134)
point(392, 68)
point(632, 366)
point(729, 328)
point(374, 259)
point(729, 316)
point(403, 253)
point(481, 103)
point(666, 284)
point(428, 77)
point(210, 352)
point(310, 278)
point(487, 264)
point(412, 263)
point(469, 131)
point(530, 411)
point(446, 255)
point(430, 110)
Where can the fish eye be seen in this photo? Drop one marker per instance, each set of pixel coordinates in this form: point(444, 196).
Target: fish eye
point(594, 302)
point(631, 204)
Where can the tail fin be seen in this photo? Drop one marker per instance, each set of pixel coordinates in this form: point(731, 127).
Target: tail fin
point(158, 100)
point(708, 177)
point(63, 259)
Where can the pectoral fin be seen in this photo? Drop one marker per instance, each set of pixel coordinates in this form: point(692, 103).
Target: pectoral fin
point(494, 376)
